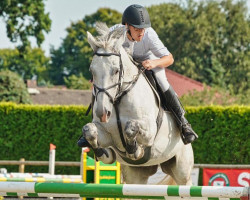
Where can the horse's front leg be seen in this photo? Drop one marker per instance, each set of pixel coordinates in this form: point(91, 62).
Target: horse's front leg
point(90, 132)
point(133, 149)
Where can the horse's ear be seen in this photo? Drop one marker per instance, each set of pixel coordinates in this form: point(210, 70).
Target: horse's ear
point(92, 41)
point(102, 28)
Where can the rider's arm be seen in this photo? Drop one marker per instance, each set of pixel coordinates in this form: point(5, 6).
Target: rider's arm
point(163, 62)
point(165, 58)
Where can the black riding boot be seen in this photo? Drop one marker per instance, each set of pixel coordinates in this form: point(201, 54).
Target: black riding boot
point(82, 142)
point(173, 104)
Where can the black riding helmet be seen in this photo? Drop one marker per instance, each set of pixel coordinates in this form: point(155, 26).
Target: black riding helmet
point(137, 16)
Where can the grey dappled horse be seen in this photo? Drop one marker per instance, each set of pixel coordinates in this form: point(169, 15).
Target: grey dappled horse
point(126, 113)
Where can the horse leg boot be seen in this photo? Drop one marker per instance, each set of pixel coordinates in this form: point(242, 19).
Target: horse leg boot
point(90, 134)
point(173, 104)
point(131, 130)
point(82, 142)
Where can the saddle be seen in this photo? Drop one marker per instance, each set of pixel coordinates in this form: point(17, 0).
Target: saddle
point(153, 81)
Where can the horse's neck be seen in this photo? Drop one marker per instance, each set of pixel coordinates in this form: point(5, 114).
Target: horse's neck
point(130, 70)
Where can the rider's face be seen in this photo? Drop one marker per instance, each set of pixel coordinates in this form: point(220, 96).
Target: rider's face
point(137, 33)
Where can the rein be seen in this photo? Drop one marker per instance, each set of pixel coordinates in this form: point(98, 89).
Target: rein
point(117, 99)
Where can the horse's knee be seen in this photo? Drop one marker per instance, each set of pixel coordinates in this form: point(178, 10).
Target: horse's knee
point(90, 132)
point(132, 128)
point(137, 130)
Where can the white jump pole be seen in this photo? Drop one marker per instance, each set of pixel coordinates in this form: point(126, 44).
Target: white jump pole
point(123, 191)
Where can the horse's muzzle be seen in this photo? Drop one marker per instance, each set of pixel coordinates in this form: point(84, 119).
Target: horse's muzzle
point(105, 117)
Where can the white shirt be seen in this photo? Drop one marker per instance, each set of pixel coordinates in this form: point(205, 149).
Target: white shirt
point(150, 47)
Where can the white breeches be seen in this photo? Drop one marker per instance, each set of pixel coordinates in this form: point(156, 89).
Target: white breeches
point(160, 75)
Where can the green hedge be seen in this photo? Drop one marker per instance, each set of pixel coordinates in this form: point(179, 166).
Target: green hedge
point(224, 134)
point(27, 130)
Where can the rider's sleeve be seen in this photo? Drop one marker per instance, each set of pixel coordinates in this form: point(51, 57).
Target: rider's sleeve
point(155, 45)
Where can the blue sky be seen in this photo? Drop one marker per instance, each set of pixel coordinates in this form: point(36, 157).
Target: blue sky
point(63, 12)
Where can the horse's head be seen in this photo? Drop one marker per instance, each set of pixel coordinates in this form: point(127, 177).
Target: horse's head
point(106, 69)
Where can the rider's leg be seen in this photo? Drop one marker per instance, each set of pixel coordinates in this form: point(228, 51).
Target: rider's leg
point(173, 104)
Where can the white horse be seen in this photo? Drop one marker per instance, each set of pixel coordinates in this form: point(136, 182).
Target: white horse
point(125, 126)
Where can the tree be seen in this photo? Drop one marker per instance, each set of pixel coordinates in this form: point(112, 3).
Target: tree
point(24, 19)
point(73, 57)
point(214, 96)
point(32, 64)
point(209, 40)
point(77, 82)
point(12, 88)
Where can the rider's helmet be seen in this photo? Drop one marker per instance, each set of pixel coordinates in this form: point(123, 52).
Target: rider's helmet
point(137, 16)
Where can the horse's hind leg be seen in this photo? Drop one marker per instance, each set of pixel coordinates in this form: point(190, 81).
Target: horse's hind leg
point(137, 175)
point(93, 135)
point(180, 166)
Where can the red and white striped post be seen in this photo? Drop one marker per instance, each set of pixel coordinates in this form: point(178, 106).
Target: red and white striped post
point(52, 158)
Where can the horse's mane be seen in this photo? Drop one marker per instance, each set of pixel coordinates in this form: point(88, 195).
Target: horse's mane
point(106, 38)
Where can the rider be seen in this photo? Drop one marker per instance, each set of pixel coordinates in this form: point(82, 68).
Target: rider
point(146, 47)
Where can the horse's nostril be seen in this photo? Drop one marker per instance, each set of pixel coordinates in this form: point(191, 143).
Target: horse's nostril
point(108, 113)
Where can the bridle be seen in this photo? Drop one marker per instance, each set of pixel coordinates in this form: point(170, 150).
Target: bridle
point(119, 84)
point(120, 92)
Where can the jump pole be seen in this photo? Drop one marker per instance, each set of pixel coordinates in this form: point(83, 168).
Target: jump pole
point(121, 191)
point(41, 180)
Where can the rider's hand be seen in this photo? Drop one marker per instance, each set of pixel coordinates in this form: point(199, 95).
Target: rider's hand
point(149, 64)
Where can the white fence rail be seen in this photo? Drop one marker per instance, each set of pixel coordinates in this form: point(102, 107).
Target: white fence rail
point(78, 164)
